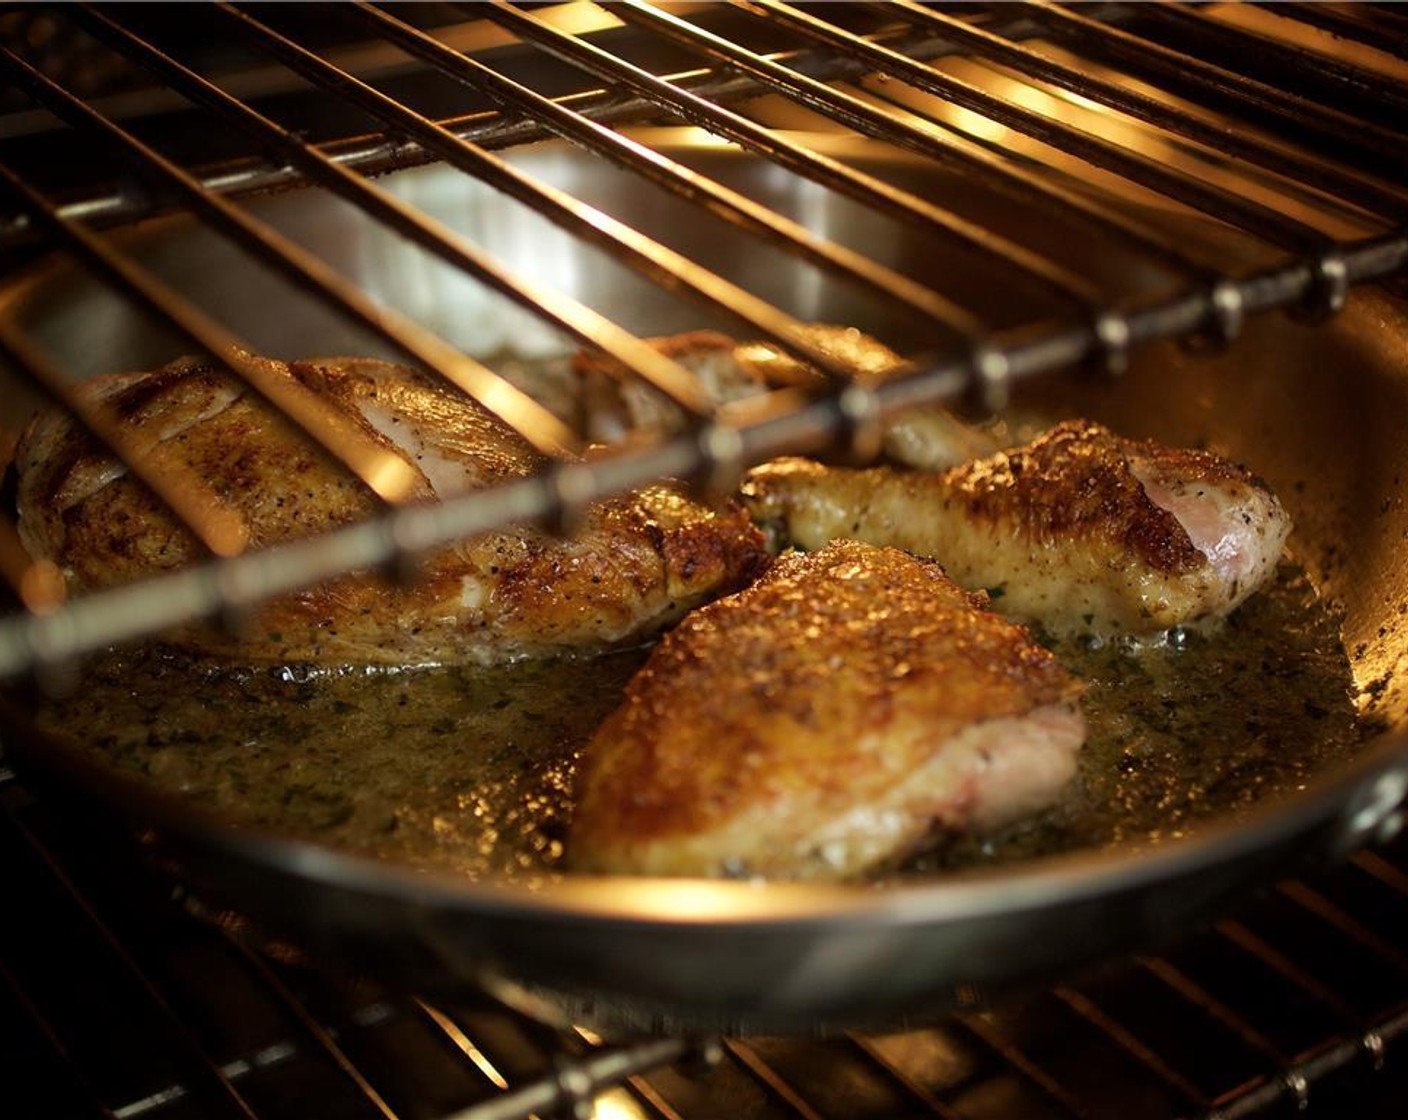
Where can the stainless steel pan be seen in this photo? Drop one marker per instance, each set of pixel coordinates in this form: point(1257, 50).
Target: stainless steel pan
point(1319, 410)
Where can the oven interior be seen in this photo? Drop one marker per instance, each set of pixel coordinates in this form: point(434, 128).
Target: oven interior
point(123, 996)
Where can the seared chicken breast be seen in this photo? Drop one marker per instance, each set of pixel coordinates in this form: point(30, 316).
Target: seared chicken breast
point(928, 438)
point(637, 563)
point(1080, 530)
point(831, 717)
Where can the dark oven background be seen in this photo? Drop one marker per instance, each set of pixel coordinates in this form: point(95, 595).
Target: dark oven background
point(123, 996)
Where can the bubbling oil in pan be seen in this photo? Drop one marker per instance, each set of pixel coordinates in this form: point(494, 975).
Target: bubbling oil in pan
point(470, 769)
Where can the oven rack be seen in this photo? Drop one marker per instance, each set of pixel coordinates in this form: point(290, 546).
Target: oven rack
point(1255, 127)
point(121, 998)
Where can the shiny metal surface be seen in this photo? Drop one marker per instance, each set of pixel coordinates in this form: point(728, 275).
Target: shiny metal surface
point(1318, 410)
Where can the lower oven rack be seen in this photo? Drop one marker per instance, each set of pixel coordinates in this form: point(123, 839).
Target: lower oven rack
point(121, 997)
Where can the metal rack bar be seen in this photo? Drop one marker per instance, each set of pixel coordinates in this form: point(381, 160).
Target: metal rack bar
point(644, 1094)
point(1217, 301)
point(571, 317)
point(492, 129)
point(77, 1081)
point(218, 528)
point(1382, 870)
point(637, 1085)
point(912, 1088)
point(572, 1086)
point(652, 259)
point(575, 1077)
point(1179, 982)
point(958, 152)
point(1321, 281)
point(891, 62)
point(125, 612)
point(193, 1056)
point(898, 204)
point(777, 1087)
point(1357, 22)
point(1129, 1043)
point(1317, 904)
point(968, 155)
point(461, 1042)
point(1295, 1082)
point(1049, 274)
point(679, 180)
point(314, 1031)
point(1248, 942)
point(1388, 200)
point(384, 474)
point(1293, 115)
point(1293, 1087)
point(886, 60)
point(1217, 202)
point(1370, 90)
point(270, 1057)
point(1030, 1070)
point(1289, 1077)
point(306, 271)
point(585, 1071)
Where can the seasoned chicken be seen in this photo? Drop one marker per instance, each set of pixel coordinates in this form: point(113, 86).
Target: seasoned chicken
point(1080, 530)
point(637, 563)
point(929, 438)
point(850, 704)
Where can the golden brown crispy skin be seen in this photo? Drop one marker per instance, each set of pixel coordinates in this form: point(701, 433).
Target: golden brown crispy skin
point(1079, 530)
point(80, 508)
point(638, 562)
point(830, 717)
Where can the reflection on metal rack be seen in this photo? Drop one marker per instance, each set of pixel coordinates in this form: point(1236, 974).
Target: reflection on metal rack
point(117, 1000)
point(1122, 95)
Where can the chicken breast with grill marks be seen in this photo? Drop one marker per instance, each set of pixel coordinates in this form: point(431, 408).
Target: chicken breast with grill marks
point(849, 705)
point(1080, 530)
point(637, 563)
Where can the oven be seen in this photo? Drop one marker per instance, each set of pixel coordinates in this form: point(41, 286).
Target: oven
point(1116, 203)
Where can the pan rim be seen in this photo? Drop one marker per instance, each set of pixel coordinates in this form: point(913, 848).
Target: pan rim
point(1358, 798)
point(1352, 796)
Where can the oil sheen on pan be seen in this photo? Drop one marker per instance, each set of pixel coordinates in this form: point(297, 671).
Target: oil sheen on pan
point(470, 769)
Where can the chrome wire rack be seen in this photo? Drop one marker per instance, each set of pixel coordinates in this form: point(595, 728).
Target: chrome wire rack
point(1280, 128)
point(121, 998)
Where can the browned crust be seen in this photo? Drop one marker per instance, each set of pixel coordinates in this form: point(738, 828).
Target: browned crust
point(638, 563)
point(248, 456)
point(624, 577)
point(1075, 483)
point(771, 689)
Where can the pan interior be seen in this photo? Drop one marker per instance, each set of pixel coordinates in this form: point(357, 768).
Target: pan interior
point(469, 770)
point(472, 771)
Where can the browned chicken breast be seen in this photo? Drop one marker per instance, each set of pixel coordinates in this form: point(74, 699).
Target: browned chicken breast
point(1080, 530)
point(638, 563)
point(925, 438)
point(850, 704)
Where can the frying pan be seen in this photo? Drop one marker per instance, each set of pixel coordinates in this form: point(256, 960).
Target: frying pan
point(1319, 410)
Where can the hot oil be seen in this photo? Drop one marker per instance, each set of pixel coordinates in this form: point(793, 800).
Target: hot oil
point(467, 769)
point(1194, 726)
point(470, 769)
